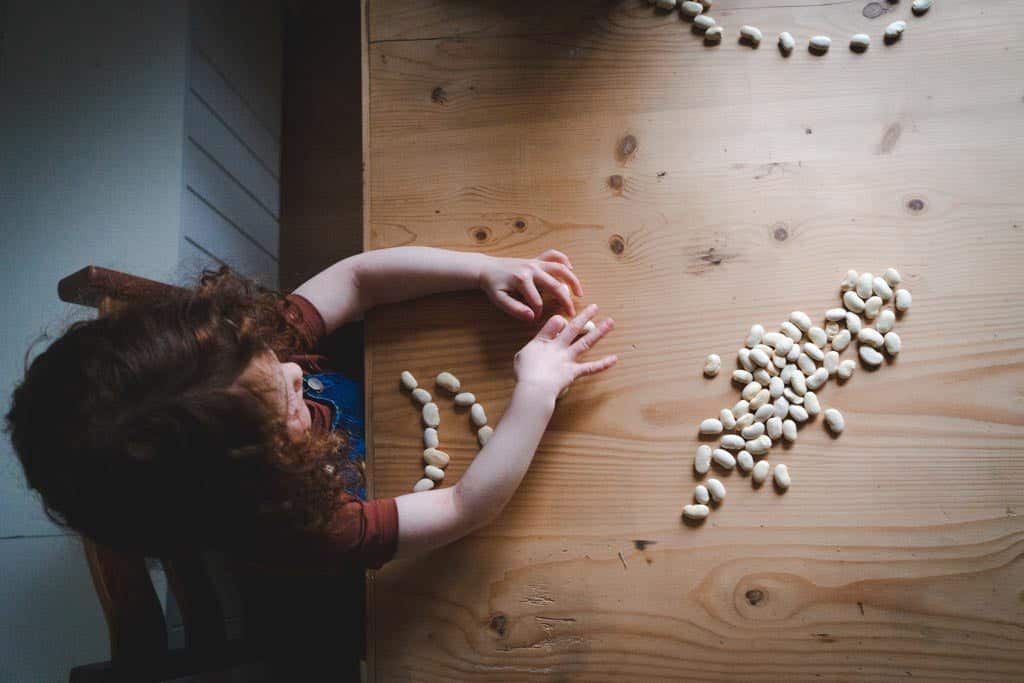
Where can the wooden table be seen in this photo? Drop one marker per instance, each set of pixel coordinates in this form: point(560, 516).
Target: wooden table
point(699, 190)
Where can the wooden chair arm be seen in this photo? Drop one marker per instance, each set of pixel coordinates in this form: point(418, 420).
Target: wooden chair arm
point(92, 284)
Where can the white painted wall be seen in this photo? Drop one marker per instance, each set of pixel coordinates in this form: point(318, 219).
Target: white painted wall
point(92, 123)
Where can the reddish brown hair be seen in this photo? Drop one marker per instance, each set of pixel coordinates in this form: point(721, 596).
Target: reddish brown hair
point(134, 431)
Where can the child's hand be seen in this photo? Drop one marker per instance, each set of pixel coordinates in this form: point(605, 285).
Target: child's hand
point(550, 361)
point(514, 285)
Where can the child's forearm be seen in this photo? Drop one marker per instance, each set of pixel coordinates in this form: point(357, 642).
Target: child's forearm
point(350, 287)
point(489, 482)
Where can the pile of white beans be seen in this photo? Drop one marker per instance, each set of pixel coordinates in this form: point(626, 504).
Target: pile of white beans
point(780, 372)
point(696, 13)
point(437, 460)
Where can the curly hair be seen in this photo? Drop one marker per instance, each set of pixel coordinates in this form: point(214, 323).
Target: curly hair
point(134, 428)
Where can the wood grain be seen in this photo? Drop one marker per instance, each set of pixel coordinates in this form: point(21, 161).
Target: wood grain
point(756, 181)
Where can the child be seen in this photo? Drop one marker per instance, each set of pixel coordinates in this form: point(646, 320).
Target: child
point(201, 420)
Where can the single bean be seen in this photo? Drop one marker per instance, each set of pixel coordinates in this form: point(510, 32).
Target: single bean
point(791, 331)
point(754, 336)
point(881, 288)
point(690, 9)
point(792, 397)
point(817, 336)
point(745, 421)
point(864, 285)
point(740, 409)
point(743, 357)
point(745, 461)
point(431, 415)
point(430, 438)
point(836, 314)
point(817, 380)
point(860, 42)
point(853, 322)
point(759, 358)
point(760, 472)
point(870, 337)
point(781, 406)
point(762, 377)
point(819, 44)
point(764, 412)
point(760, 445)
point(834, 420)
point(919, 7)
point(447, 380)
point(832, 362)
point(484, 434)
point(798, 383)
point(716, 489)
point(479, 417)
point(742, 377)
point(789, 430)
point(751, 390)
point(801, 320)
point(464, 399)
point(696, 511)
point(759, 400)
point(842, 340)
point(408, 381)
point(753, 431)
point(870, 357)
point(805, 363)
point(814, 351)
point(432, 472)
point(781, 476)
point(786, 42)
point(892, 343)
point(892, 277)
point(886, 321)
point(846, 369)
point(849, 282)
point(853, 302)
point(701, 495)
point(798, 413)
point(811, 403)
point(894, 31)
point(727, 419)
point(423, 485)
point(437, 458)
point(422, 396)
point(903, 300)
point(773, 428)
point(733, 442)
point(702, 461)
point(751, 34)
point(703, 22)
point(872, 307)
point(723, 458)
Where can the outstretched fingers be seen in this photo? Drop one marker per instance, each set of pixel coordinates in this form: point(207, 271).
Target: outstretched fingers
point(575, 326)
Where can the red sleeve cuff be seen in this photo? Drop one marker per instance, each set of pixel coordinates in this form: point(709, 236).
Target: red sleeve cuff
point(304, 316)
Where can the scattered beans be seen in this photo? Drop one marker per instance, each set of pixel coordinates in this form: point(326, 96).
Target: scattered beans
point(781, 476)
point(447, 380)
point(408, 381)
point(834, 420)
point(716, 489)
point(431, 415)
point(760, 472)
point(696, 511)
point(465, 399)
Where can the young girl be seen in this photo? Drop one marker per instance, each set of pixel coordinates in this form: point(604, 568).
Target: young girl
point(201, 420)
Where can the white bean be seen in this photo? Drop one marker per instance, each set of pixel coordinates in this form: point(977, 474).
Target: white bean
point(811, 403)
point(759, 358)
point(701, 495)
point(762, 397)
point(794, 353)
point(853, 302)
point(834, 420)
point(764, 412)
point(786, 42)
point(836, 314)
point(784, 346)
point(919, 7)
point(781, 406)
point(408, 381)
point(772, 339)
point(733, 442)
point(820, 44)
point(798, 413)
point(853, 322)
point(447, 380)
point(740, 409)
point(423, 485)
point(781, 476)
point(745, 461)
point(743, 357)
point(753, 431)
point(817, 336)
point(872, 307)
point(464, 399)
point(831, 329)
point(742, 377)
point(864, 285)
point(775, 387)
point(751, 390)
point(432, 472)
point(706, 4)
point(716, 489)
point(702, 461)
point(849, 282)
point(832, 362)
point(779, 361)
point(690, 9)
point(869, 356)
point(588, 327)
point(430, 438)
point(814, 351)
point(903, 299)
point(711, 426)
point(773, 428)
point(696, 511)
point(751, 34)
point(760, 472)
point(791, 331)
point(431, 415)
point(665, 4)
point(841, 341)
point(894, 30)
point(727, 419)
point(422, 396)
point(892, 343)
point(870, 337)
point(760, 445)
point(801, 320)
point(881, 288)
point(703, 21)
point(806, 365)
point(713, 35)
point(712, 364)
point(816, 381)
point(892, 277)
point(479, 417)
point(723, 458)
point(886, 321)
point(787, 373)
point(754, 336)
point(437, 458)
point(798, 383)
point(860, 42)
point(789, 430)
point(745, 421)
point(762, 377)
point(484, 434)
point(793, 398)
point(846, 369)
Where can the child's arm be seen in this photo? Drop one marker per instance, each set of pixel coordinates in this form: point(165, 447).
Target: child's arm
point(354, 285)
point(546, 365)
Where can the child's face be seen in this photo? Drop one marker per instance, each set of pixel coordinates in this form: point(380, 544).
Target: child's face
point(283, 385)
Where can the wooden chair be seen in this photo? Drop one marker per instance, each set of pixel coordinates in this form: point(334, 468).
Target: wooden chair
point(135, 621)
